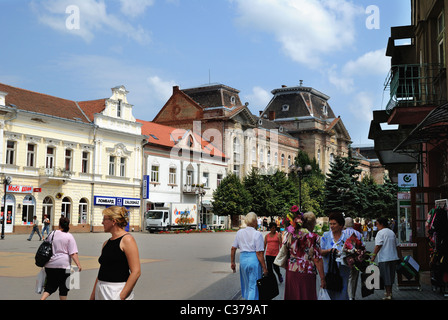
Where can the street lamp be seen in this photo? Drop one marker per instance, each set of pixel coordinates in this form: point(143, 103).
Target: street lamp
point(6, 181)
point(200, 192)
point(300, 173)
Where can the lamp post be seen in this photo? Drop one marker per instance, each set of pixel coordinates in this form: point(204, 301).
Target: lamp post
point(6, 181)
point(200, 192)
point(300, 173)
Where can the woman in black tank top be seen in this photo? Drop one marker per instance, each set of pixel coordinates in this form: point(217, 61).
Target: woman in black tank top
point(119, 260)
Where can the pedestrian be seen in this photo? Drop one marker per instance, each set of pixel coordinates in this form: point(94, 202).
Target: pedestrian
point(365, 230)
point(35, 229)
point(58, 269)
point(357, 225)
point(119, 261)
point(259, 222)
point(354, 273)
point(304, 258)
point(252, 266)
point(272, 245)
point(334, 240)
point(386, 251)
point(46, 226)
point(265, 224)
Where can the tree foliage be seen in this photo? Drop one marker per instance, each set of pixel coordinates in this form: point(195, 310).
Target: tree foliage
point(231, 198)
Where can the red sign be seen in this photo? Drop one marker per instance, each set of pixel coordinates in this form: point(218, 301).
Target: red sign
point(19, 189)
point(37, 190)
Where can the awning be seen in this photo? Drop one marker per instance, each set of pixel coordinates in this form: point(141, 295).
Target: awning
point(433, 129)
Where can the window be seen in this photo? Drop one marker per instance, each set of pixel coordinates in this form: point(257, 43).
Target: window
point(10, 152)
point(29, 204)
point(66, 208)
point(205, 179)
point(289, 161)
point(47, 208)
point(218, 179)
point(269, 158)
point(254, 154)
point(283, 160)
point(85, 162)
point(119, 109)
point(276, 159)
point(68, 160)
point(236, 150)
point(82, 218)
point(190, 176)
point(441, 38)
point(122, 167)
point(155, 174)
point(236, 170)
point(49, 163)
point(261, 157)
point(111, 165)
point(172, 176)
point(30, 155)
point(285, 107)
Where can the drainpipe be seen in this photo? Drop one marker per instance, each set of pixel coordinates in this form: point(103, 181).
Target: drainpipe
point(92, 196)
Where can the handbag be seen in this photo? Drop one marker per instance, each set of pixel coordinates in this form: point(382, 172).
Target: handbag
point(44, 252)
point(333, 279)
point(267, 287)
point(281, 259)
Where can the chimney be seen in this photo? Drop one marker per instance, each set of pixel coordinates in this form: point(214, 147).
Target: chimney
point(272, 115)
point(261, 112)
point(175, 89)
point(284, 86)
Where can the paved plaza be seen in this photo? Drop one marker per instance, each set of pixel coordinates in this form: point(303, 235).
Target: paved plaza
point(174, 267)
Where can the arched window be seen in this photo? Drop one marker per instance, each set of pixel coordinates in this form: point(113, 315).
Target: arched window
point(83, 205)
point(66, 209)
point(47, 208)
point(28, 209)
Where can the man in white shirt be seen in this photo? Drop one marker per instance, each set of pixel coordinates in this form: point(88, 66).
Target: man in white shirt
point(386, 250)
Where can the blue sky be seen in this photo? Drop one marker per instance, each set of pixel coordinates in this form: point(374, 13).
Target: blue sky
point(254, 46)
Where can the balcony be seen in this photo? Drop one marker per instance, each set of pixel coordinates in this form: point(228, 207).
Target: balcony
point(55, 175)
point(416, 85)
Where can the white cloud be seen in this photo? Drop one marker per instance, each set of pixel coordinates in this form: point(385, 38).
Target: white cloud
point(362, 106)
point(93, 18)
point(258, 99)
point(371, 63)
point(134, 8)
point(96, 74)
point(306, 29)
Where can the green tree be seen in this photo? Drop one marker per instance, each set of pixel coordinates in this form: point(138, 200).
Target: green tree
point(342, 192)
point(264, 198)
point(231, 198)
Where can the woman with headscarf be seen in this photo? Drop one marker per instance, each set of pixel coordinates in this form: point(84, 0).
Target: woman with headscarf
point(305, 259)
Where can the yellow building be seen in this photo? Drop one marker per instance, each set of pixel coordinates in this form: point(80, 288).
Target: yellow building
point(68, 158)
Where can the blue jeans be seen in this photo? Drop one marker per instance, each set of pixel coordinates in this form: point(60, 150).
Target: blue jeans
point(35, 229)
point(46, 228)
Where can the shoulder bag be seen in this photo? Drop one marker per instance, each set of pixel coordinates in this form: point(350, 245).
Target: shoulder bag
point(282, 257)
point(44, 252)
point(333, 279)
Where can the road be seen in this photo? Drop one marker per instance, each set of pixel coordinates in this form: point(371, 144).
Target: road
point(174, 266)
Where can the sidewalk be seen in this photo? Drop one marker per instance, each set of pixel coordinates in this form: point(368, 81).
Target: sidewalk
point(425, 292)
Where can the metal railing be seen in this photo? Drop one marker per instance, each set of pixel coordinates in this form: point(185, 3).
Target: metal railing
point(415, 85)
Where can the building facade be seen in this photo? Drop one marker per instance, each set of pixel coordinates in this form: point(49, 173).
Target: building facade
point(181, 167)
point(68, 158)
point(216, 113)
point(418, 110)
point(304, 113)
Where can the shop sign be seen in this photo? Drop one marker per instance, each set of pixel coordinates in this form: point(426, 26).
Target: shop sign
point(145, 187)
point(116, 201)
point(407, 180)
point(104, 201)
point(19, 189)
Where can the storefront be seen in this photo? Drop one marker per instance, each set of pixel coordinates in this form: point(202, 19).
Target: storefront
point(131, 204)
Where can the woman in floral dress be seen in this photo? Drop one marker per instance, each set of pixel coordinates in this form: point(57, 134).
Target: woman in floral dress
point(304, 258)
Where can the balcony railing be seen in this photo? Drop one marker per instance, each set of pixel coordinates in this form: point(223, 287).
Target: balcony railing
point(415, 85)
point(55, 172)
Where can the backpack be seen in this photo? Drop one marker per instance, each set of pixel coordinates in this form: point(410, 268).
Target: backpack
point(44, 252)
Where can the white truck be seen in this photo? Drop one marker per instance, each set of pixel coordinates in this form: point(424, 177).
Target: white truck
point(175, 216)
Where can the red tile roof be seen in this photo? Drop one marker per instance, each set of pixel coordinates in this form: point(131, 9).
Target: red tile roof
point(168, 137)
point(42, 103)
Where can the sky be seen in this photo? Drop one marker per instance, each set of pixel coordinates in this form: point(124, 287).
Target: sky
point(80, 49)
